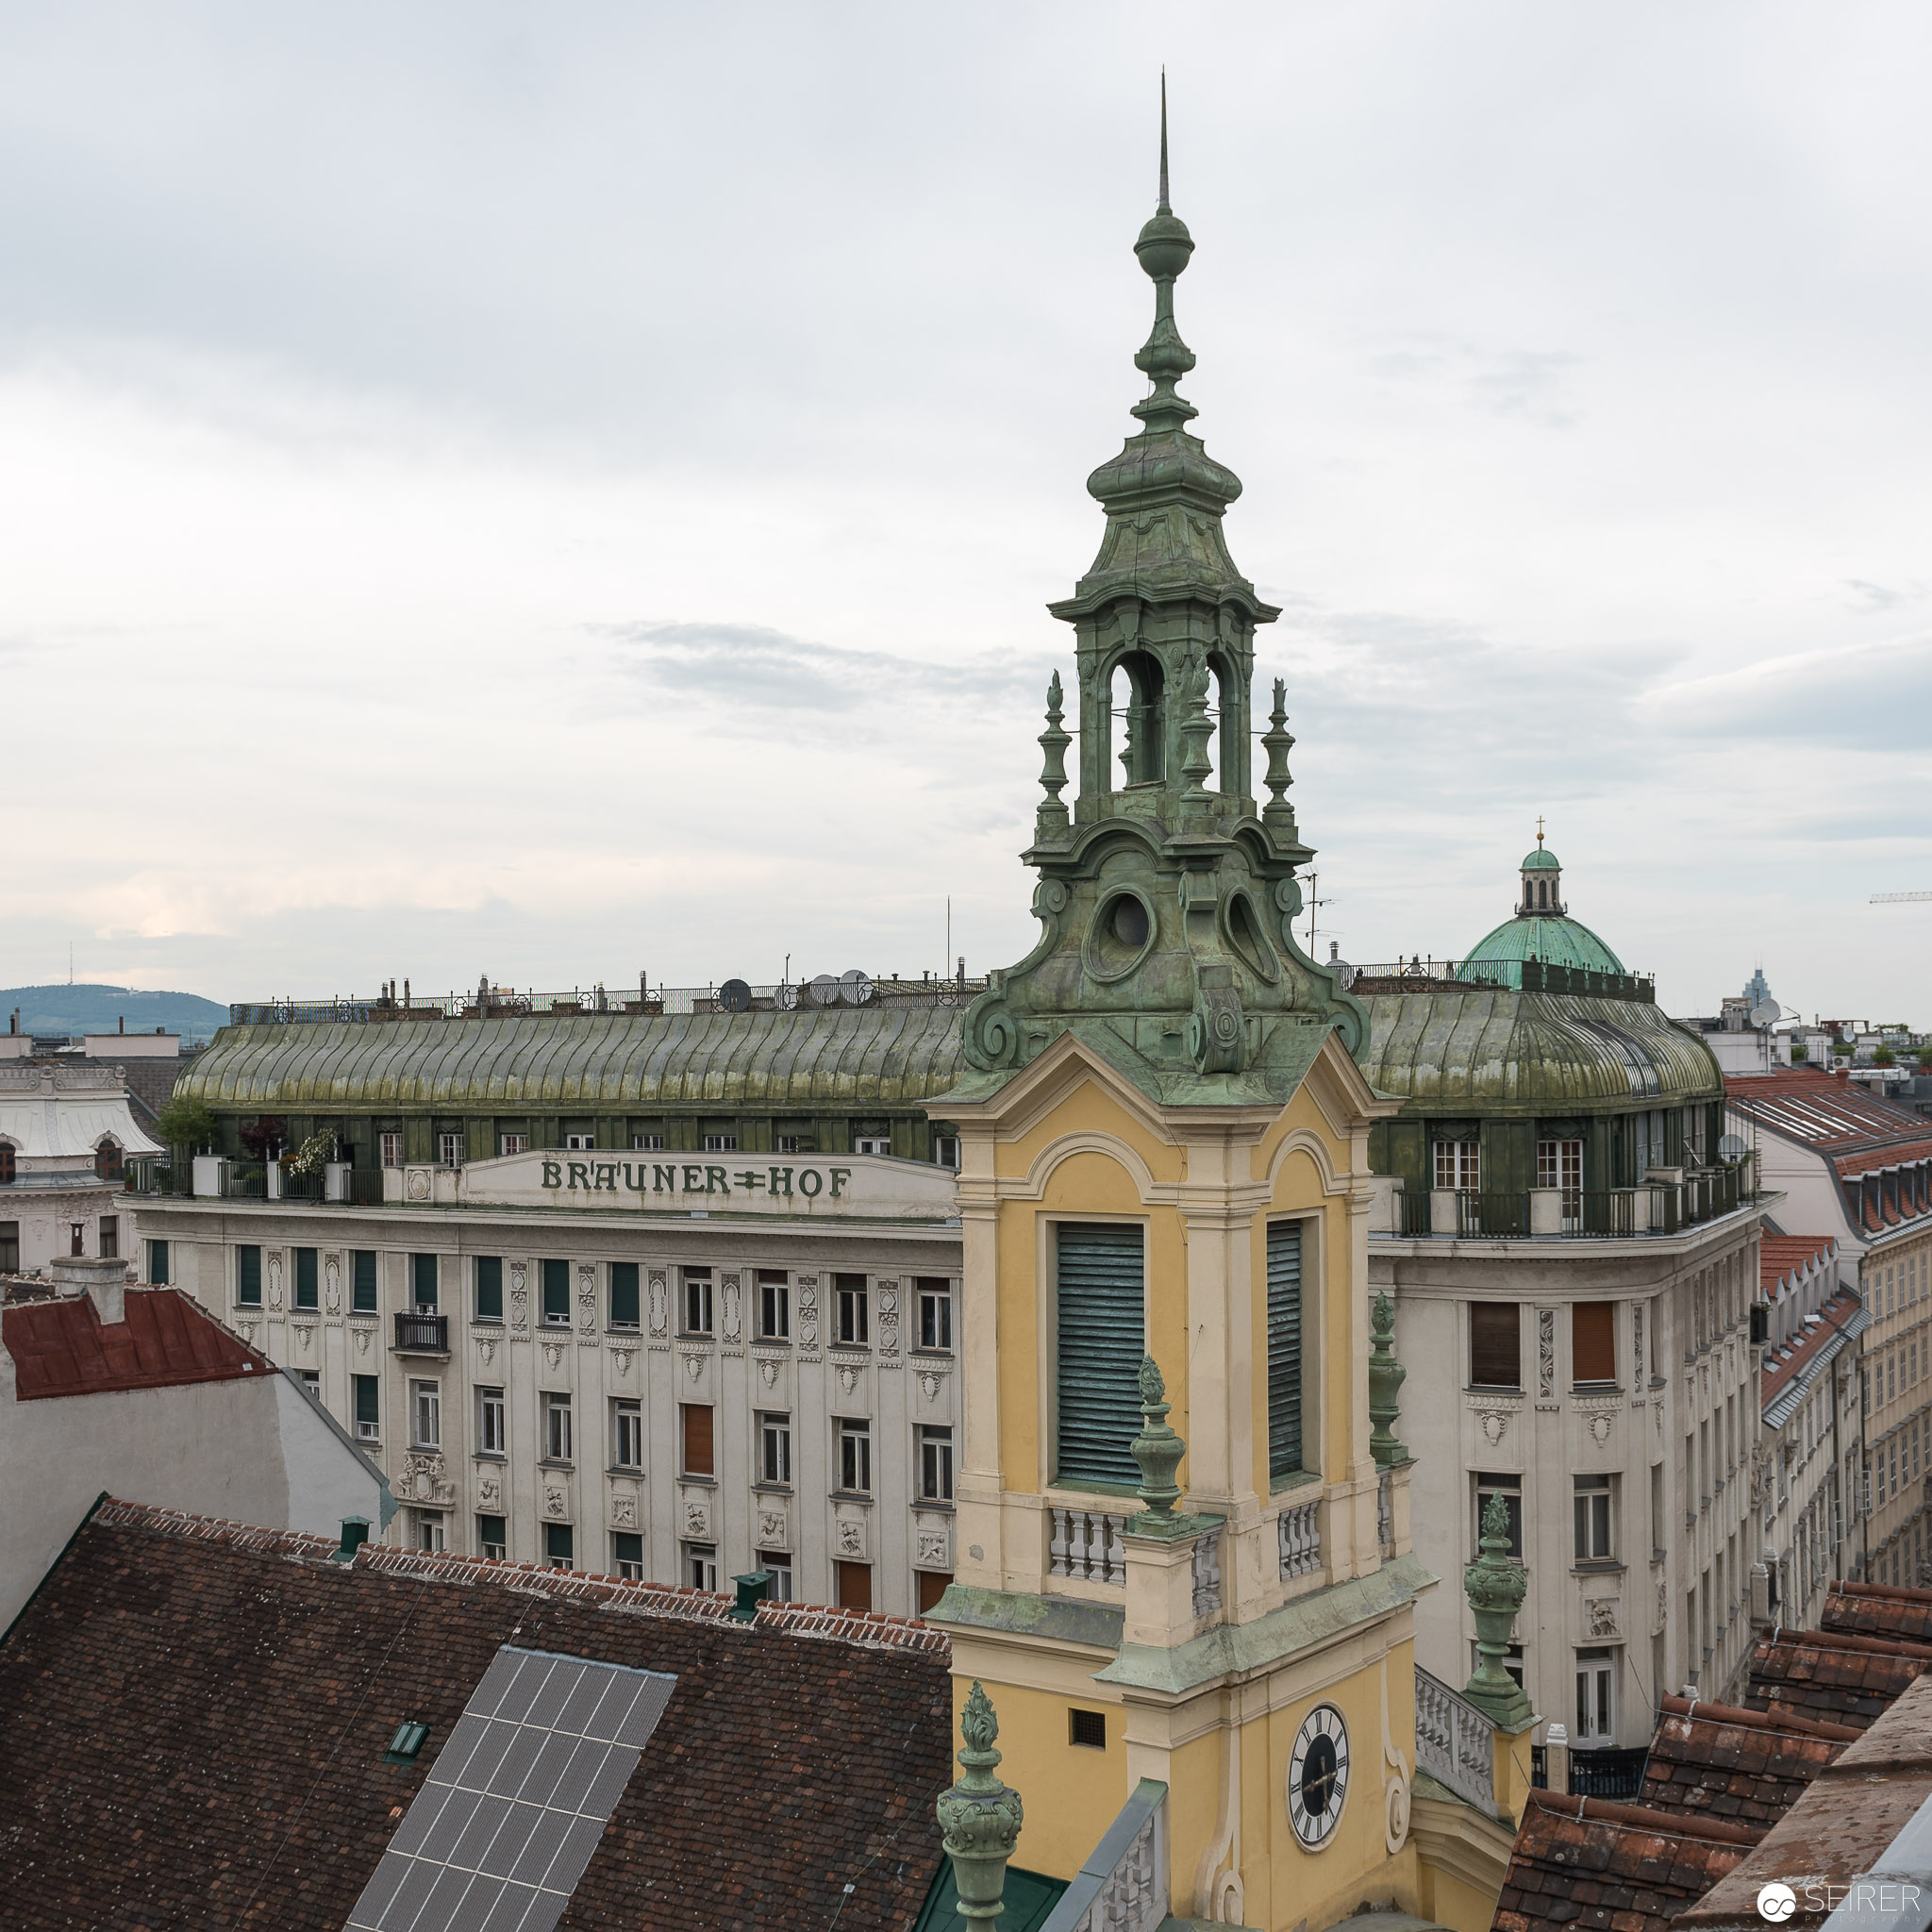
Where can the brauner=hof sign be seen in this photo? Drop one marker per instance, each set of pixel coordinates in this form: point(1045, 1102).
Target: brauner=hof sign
point(866, 1185)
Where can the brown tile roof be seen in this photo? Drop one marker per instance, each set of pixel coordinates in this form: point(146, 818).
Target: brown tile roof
point(1780, 1366)
point(1839, 1827)
point(1838, 1117)
point(1779, 1255)
point(1877, 1610)
point(1600, 1867)
point(62, 1347)
point(192, 1717)
point(1745, 1767)
point(1832, 1677)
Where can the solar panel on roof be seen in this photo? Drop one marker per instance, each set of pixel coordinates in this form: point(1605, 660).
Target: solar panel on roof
point(500, 1834)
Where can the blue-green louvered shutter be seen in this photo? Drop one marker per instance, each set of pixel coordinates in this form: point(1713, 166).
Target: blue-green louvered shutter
point(1103, 1334)
point(1284, 1347)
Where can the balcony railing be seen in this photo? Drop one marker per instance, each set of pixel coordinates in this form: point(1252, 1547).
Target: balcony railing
point(507, 1002)
point(244, 1180)
point(148, 1174)
point(1424, 972)
point(1455, 1742)
point(1086, 1544)
point(1651, 1207)
point(422, 1334)
point(1606, 1773)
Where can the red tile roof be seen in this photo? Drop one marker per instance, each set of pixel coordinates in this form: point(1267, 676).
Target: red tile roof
point(1597, 1866)
point(1779, 1255)
point(1778, 1368)
point(64, 1347)
point(192, 1718)
point(1859, 1132)
point(1745, 1767)
point(1878, 1610)
point(1839, 1827)
point(1832, 1677)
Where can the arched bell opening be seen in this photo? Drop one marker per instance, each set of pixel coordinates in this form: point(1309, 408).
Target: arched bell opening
point(1138, 695)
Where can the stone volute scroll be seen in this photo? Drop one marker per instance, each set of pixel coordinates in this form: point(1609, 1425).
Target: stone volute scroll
point(1386, 1378)
point(1495, 1588)
point(979, 1817)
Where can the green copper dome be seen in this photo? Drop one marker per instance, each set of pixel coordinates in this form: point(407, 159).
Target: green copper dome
point(1555, 939)
point(1542, 860)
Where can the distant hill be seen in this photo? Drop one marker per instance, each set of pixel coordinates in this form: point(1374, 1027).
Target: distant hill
point(77, 1010)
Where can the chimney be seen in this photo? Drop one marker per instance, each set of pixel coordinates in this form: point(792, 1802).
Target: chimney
point(355, 1533)
point(102, 1277)
point(753, 1589)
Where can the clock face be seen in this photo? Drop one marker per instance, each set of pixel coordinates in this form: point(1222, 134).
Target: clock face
point(1318, 1775)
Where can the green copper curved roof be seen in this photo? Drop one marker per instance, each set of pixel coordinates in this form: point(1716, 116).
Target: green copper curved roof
point(588, 1063)
point(1542, 860)
point(1554, 939)
point(1491, 1050)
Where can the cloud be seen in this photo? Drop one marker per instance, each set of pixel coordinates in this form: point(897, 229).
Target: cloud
point(1875, 696)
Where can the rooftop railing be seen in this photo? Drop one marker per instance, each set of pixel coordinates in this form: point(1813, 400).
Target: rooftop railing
point(1651, 1207)
point(1424, 973)
point(507, 1002)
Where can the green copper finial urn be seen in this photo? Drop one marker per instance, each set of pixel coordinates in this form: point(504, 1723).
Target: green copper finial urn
point(1386, 1378)
point(1495, 1588)
point(1157, 1448)
point(979, 1817)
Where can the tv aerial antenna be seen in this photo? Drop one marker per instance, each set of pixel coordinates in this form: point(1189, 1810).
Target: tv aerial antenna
point(1897, 898)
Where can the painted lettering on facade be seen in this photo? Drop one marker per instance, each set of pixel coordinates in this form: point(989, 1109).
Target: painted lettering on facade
point(784, 1182)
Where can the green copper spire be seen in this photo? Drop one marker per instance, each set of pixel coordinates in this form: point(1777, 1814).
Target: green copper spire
point(1167, 894)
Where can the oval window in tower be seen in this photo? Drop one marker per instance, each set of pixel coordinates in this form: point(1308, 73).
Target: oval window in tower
point(1242, 920)
point(1121, 935)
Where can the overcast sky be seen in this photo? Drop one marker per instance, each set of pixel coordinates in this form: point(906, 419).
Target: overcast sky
point(565, 491)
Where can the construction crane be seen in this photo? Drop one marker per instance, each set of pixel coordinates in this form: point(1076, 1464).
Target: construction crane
point(1896, 898)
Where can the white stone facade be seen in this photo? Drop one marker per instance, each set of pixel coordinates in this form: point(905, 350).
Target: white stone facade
point(65, 1129)
point(870, 1540)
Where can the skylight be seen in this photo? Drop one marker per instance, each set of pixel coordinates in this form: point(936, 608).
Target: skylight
point(517, 1799)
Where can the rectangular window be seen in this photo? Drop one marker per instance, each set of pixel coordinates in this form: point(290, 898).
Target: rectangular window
point(648, 1144)
point(392, 1146)
point(425, 1531)
point(624, 1294)
point(774, 1305)
point(694, 1420)
point(1284, 1347)
point(935, 1313)
point(1595, 1697)
point(935, 1464)
point(721, 1143)
point(790, 1143)
point(1592, 1509)
point(1458, 1164)
point(449, 1150)
point(311, 1380)
point(627, 1554)
point(1495, 1345)
point(512, 1143)
point(581, 1143)
point(110, 1238)
point(362, 1275)
point(426, 1415)
point(1510, 1489)
point(423, 1282)
point(779, 1563)
point(491, 1438)
point(365, 1398)
point(931, 1584)
point(1593, 1341)
point(855, 1328)
point(1102, 1335)
point(559, 1546)
point(156, 1262)
point(9, 1248)
point(855, 1456)
point(701, 1566)
point(626, 1434)
point(557, 1431)
point(490, 1288)
point(557, 1294)
point(945, 1151)
point(492, 1538)
point(853, 1581)
point(307, 1286)
point(248, 1276)
point(697, 1301)
point(775, 1448)
point(1559, 1165)
point(77, 1237)
point(873, 1143)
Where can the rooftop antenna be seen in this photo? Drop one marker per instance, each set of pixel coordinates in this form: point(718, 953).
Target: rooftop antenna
point(1314, 878)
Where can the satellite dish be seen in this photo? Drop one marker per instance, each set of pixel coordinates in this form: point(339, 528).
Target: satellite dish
point(854, 988)
point(1732, 1147)
point(787, 997)
point(1766, 1013)
point(735, 997)
point(824, 991)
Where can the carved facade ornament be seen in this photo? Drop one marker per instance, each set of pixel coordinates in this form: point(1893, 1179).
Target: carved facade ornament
point(305, 1334)
point(731, 1295)
point(246, 1331)
point(851, 1537)
point(1601, 1615)
point(424, 1479)
point(275, 1277)
point(1637, 1347)
point(932, 1547)
point(488, 1489)
point(767, 1368)
point(889, 1318)
point(659, 1301)
point(808, 1286)
point(587, 1296)
point(361, 1329)
point(332, 1289)
point(486, 1347)
point(519, 1294)
point(553, 1353)
point(555, 1499)
point(1494, 1422)
point(1662, 1608)
point(624, 1510)
point(621, 1357)
point(771, 1529)
point(1546, 1354)
point(417, 1184)
point(693, 1364)
point(697, 1520)
point(848, 1376)
point(930, 1382)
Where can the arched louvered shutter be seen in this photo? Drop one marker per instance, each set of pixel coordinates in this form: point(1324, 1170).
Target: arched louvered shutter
point(1284, 1347)
point(1103, 1336)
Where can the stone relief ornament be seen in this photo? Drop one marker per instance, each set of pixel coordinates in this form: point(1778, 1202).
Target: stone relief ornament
point(848, 1376)
point(553, 1353)
point(624, 1510)
point(488, 1489)
point(1600, 1422)
point(424, 1479)
point(889, 1318)
point(930, 1381)
point(519, 1294)
point(555, 1499)
point(730, 1294)
point(246, 1331)
point(1601, 1614)
point(305, 1334)
point(851, 1537)
point(1658, 1615)
point(772, 1528)
point(623, 1358)
point(486, 1347)
point(417, 1184)
point(697, 1520)
point(362, 1334)
point(332, 1291)
point(808, 1310)
point(587, 1296)
point(693, 1365)
point(767, 1368)
point(1637, 1348)
point(658, 1301)
point(1493, 1421)
point(1545, 1353)
point(275, 1277)
point(932, 1547)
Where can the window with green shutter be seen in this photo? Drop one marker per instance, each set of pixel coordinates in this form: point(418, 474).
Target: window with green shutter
point(248, 1276)
point(306, 1295)
point(157, 1263)
point(363, 1269)
point(1284, 1348)
point(624, 1294)
point(490, 1288)
point(556, 1293)
point(1102, 1338)
point(422, 1272)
